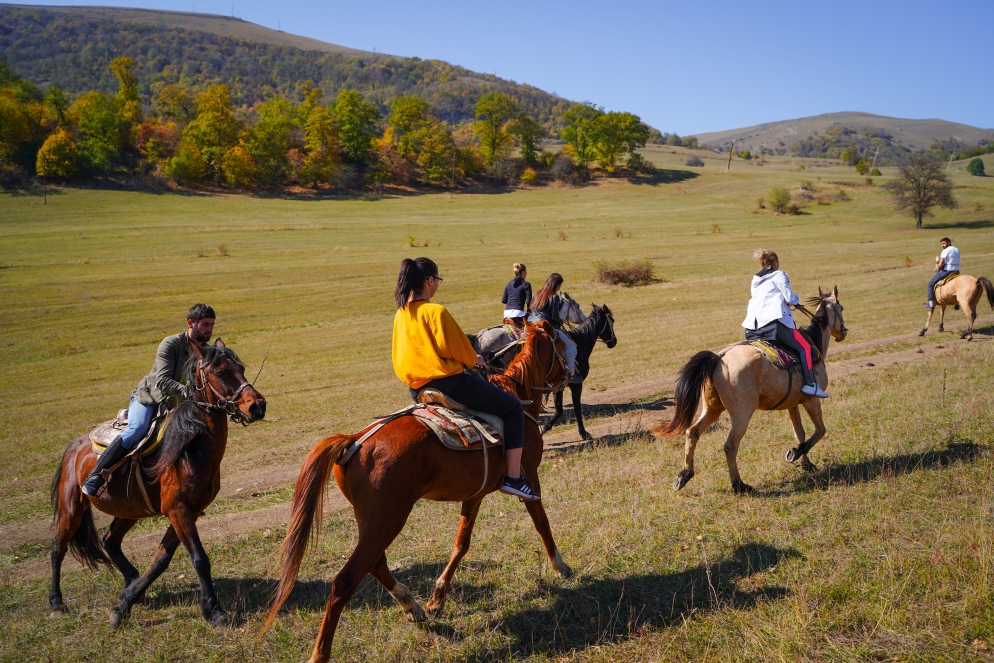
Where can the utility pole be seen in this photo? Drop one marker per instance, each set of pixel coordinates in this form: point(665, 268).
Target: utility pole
point(950, 162)
point(874, 159)
point(452, 181)
point(44, 189)
point(731, 149)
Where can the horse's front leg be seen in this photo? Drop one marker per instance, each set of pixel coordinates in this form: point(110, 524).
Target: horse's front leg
point(576, 391)
point(928, 319)
point(942, 318)
point(559, 413)
point(185, 524)
point(812, 406)
point(467, 519)
point(137, 588)
point(793, 454)
point(537, 512)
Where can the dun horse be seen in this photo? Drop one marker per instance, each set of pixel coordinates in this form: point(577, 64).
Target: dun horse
point(741, 381)
point(965, 291)
point(599, 326)
point(183, 482)
point(401, 464)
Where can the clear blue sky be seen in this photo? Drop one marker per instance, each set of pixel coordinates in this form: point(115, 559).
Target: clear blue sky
point(687, 67)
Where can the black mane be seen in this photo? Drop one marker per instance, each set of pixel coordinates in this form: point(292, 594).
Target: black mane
point(585, 337)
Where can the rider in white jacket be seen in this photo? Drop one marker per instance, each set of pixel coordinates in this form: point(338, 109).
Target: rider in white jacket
point(768, 317)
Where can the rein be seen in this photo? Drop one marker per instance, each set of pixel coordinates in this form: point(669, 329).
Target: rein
point(226, 405)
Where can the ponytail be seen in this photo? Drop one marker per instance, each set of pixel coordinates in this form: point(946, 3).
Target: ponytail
point(411, 278)
point(765, 257)
point(518, 268)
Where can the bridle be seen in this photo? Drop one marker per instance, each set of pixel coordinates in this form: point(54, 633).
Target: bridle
point(560, 361)
point(226, 405)
point(610, 325)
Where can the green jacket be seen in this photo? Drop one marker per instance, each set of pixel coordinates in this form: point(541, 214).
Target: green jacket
point(166, 378)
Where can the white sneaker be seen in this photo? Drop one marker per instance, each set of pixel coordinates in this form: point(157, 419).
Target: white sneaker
point(813, 390)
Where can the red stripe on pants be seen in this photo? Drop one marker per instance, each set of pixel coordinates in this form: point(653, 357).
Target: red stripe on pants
point(803, 342)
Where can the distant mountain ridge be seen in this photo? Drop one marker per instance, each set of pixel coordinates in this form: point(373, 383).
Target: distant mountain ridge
point(911, 135)
point(72, 47)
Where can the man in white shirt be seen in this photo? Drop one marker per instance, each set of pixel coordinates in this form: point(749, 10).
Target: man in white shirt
point(947, 264)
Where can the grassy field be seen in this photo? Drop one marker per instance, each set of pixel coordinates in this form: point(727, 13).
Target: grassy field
point(886, 553)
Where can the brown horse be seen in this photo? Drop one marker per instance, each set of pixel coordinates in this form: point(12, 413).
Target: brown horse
point(741, 381)
point(402, 463)
point(182, 483)
point(965, 291)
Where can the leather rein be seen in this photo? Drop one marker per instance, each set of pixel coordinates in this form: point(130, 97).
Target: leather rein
point(226, 405)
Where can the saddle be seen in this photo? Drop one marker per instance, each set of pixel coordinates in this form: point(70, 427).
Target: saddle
point(947, 279)
point(103, 434)
point(457, 426)
point(783, 357)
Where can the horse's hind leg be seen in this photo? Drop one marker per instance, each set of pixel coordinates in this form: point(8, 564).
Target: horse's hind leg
point(70, 515)
point(111, 543)
point(928, 319)
point(942, 318)
point(798, 426)
point(398, 591)
point(740, 423)
point(971, 314)
point(712, 410)
point(576, 391)
point(467, 519)
point(559, 413)
point(170, 541)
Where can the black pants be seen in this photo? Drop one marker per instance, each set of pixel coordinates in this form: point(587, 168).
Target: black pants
point(480, 395)
point(781, 333)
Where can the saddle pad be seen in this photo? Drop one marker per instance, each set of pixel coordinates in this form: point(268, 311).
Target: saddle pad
point(461, 431)
point(782, 357)
point(103, 434)
point(947, 279)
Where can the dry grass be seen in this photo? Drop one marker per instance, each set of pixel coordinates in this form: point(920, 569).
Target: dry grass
point(626, 273)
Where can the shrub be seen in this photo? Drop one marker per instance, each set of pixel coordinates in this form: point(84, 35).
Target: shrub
point(626, 273)
point(779, 199)
point(715, 228)
point(862, 167)
point(976, 167)
point(876, 172)
point(239, 167)
point(562, 236)
point(695, 162)
point(637, 163)
point(187, 165)
point(800, 167)
point(745, 154)
point(563, 168)
point(58, 156)
point(529, 176)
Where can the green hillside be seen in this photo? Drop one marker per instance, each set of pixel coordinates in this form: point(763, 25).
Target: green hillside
point(72, 47)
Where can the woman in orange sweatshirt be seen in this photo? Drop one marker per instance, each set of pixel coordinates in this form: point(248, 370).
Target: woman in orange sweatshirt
point(430, 350)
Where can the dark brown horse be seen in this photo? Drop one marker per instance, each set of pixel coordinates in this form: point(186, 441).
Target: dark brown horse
point(183, 481)
point(405, 462)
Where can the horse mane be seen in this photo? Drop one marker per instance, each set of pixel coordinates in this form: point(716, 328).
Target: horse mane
point(523, 370)
point(586, 331)
point(186, 422)
point(820, 319)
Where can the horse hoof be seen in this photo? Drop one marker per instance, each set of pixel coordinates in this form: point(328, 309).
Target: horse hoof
point(116, 618)
point(682, 479)
point(565, 572)
point(56, 613)
point(219, 617)
point(941, 328)
point(586, 436)
point(791, 455)
point(742, 488)
point(808, 466)
point(436, 602)
point(921, 333)
point(417, 616)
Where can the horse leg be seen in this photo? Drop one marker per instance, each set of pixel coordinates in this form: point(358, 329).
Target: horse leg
point(467, 519)
point(709, 414)
point(111, 543)
point(576, 391)
point(541, 521)
point(942, 318)
point(168, 545)
point(928, 319)
point(971, 314)
point(185, 524)
point(374, 538)
point(740, 423)
point(795, 421)
point(813, 407)
point(559, 413)
point(398, 591)
point(70, 516)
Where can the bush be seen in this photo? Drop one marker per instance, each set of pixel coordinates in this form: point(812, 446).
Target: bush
point(529, 176)
point(862, 167)
point(779, 199)
point(695, 162)
point(745, 154)
point(638, 164)
point(239, 167)
point(58, 156)
point(347, 177)
point(187, 165)
point(563, 168)
point(504, 170)
point(976, 167)
point(626, 273)
point(876, 172)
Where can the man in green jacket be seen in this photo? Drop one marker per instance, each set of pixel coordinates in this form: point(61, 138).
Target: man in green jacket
point(164, 381)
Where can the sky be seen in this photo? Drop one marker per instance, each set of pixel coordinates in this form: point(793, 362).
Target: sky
point(689, 67)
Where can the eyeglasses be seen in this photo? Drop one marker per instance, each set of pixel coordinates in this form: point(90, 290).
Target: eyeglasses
point(437, 278)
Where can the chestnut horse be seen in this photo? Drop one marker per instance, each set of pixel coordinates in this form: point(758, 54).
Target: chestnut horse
point(965, 291)
point(741, 381)
point(402, 463)
point(183, 481)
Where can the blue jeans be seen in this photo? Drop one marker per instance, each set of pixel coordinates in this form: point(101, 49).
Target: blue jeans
point(139, 419)
point(938, 276)
point(480, 395)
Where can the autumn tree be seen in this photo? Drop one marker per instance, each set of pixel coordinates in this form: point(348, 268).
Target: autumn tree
point(127, 94)
point(579, 132)
point(270, 139)
point(99, 126)
point(407, 116)
point(58, 156)
point(214, 131)
point(494, 110)
point(321, 143)
point(356, 125)
point(436, 152)
point(176, 102)
point(920, 186)
point(615, 134)
point(528, 133)
point(21, 113)
point(57, 104)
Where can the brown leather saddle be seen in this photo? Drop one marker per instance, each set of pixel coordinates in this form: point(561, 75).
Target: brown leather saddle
point(103, 434)
point(457, 426)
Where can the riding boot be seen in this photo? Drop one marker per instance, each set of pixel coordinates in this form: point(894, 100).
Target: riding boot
point(114, 452)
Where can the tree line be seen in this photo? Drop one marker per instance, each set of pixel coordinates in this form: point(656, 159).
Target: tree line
point(190, 136)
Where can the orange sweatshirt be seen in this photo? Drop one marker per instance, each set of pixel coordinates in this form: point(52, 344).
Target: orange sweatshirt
point(428, 344)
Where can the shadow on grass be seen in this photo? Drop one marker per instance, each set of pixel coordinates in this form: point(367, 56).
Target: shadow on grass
point(872, 469)
point(663, 176)
point(979, 224)
point(602, 611)
point(605, 409)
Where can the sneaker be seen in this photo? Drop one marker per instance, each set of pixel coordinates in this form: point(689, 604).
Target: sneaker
point(519, 488)
point(929, 305)
point(813, 390)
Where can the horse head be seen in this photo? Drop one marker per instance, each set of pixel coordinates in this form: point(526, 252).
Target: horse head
point(570, 311)
point(829, 306)
point(605, 331)
point(540, 364)
point(219, 379)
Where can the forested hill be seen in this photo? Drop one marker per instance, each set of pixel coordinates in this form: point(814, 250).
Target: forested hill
point(72, 47)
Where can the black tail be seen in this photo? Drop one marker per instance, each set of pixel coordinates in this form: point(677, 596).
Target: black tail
point(693, 377)
point(85, 542)
point(988, 288)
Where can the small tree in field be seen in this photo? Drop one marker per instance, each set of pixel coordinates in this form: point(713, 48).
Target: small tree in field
point(921, 185)
point(494, 111)
point(779, 199)
point(976, 167)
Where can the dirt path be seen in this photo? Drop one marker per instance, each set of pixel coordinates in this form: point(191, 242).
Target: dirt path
point(613, 410)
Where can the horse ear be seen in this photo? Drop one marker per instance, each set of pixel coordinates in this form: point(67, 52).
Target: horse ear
point(219, 344)
point(835, 293)
point(821, 295)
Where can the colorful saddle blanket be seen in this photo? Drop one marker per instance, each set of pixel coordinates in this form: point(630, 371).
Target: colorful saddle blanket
point(782, 357)
point(461, 430)
point(103, 434)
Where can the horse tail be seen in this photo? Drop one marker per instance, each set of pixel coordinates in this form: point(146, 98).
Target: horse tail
point(693, 377)
point(305, 515)
point(988, 287)
point(85, 542)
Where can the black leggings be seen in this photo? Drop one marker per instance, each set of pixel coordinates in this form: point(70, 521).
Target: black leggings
point(793, 339)
point(480, 395)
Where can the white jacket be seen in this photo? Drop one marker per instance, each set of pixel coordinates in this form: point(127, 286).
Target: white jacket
point(771, 297)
